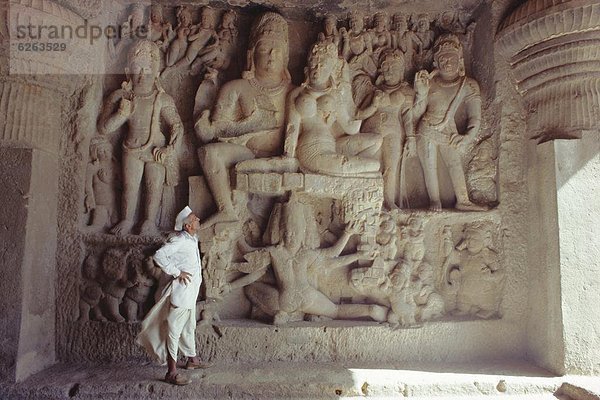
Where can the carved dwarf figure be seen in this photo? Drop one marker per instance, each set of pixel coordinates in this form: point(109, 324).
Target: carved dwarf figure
point(101, 185)
point(247, 120)
point(137, 295)
point(473, 271)
point(314, 108)
point(446, 89)
point(115, 282)
point(90, 291)
point(148, 154)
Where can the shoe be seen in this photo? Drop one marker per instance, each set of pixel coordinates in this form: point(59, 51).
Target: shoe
point(177, 380)
point(193, 365)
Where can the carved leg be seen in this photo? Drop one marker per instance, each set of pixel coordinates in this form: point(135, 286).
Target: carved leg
point(457, 175)
point(391, 153)
point(154, 180)
point(131, 309)
point(216, 159)
point(428, 157)
point(133, 169)
point(84, 311)
point(112, 306)
point(97, 314)
point(353, 311)
point(263, 297)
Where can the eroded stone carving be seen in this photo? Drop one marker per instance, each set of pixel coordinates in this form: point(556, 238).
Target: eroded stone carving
point(149, 156)
point(446, 89)
point(472, 271)
point(247, 120)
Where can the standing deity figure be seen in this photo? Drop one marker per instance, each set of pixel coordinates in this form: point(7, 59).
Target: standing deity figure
point(330, 32)
point(101, 184)
point(148, 154)
point(447, 88)
point(314, 108)
point(247, 119)
point(393, 121)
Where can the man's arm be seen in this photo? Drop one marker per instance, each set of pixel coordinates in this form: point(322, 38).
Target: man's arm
point(164, 257)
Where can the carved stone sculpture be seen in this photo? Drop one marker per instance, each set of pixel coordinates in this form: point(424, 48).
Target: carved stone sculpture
point(472, 270)
point(393, 121)
point(314, 108)
point(161, 31)
point(183, 30)
point(138, 293)
point(130, 31)
point(405, 40)
point(101, 185)
point(148, 155)
point(217, 56)
point(422, 29)
point(91, 293)
point(381, 39)
point(330, 33)
point(247, 120)
point(446, 89)
point(295, 263)
point(202, 39)
point(114, 281)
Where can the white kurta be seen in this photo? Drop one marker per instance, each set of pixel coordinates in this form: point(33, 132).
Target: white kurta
point(171, 322)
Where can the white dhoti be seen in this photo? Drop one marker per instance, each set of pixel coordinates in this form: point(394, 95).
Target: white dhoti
point(167, 328)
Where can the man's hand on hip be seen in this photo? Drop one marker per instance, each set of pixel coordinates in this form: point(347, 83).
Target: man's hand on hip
point(185, 277)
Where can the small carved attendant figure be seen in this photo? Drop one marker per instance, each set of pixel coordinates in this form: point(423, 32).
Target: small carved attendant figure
point(101, 184)
point(200, 38)
point(131, 30)
point(90, 290)
point(217, 56)
point(314, 108)
point(357, 48)
point(405, 40)
point(147, 154)
point(426, 37)
point(183, 30)
point(381, 38)
point(248, 117)
point(161, 32)
point(330, 32)
point(447, 88)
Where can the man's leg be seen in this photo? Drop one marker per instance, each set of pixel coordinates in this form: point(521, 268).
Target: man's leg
point(187, 341)
point(176, 321)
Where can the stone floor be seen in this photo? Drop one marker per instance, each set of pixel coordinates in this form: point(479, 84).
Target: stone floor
point(507, 380)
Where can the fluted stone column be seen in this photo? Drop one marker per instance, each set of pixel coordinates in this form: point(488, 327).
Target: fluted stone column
point(553, 48)
point(34, 93)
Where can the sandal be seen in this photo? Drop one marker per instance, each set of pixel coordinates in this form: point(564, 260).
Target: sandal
point(177, 379)
point(193, 365)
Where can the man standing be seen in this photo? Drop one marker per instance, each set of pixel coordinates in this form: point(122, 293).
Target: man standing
point(171, 324)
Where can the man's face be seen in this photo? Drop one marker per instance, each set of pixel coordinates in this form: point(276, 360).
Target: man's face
point(193, 224)
point(269, 56)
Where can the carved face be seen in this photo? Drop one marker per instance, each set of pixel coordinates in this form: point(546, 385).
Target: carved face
point(103, 152)
point(330, 25)
point(156, 15)
point(228, 19)
point(380, 22)
point(448, 64)
point(269, 57)
point(392, 70)
point(400, 23)
point(356, 23)
point(474, 241)
point(423, 24)
point(143, 71)
point(320, 69)
point(207, 18)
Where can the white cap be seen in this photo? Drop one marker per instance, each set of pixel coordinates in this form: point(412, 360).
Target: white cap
point(183, 214)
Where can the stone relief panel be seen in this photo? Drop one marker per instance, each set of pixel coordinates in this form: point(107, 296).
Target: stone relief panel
point(363, 189)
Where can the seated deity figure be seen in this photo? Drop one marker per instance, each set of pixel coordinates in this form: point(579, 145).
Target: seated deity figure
point(381, 38)
point(405, 40)
point(296, 263)
point(446, 89)
point(322, 101)
point(148, 154)
point(161, 31)
point(217, 56)
point(393, 121)
point(247, 120)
